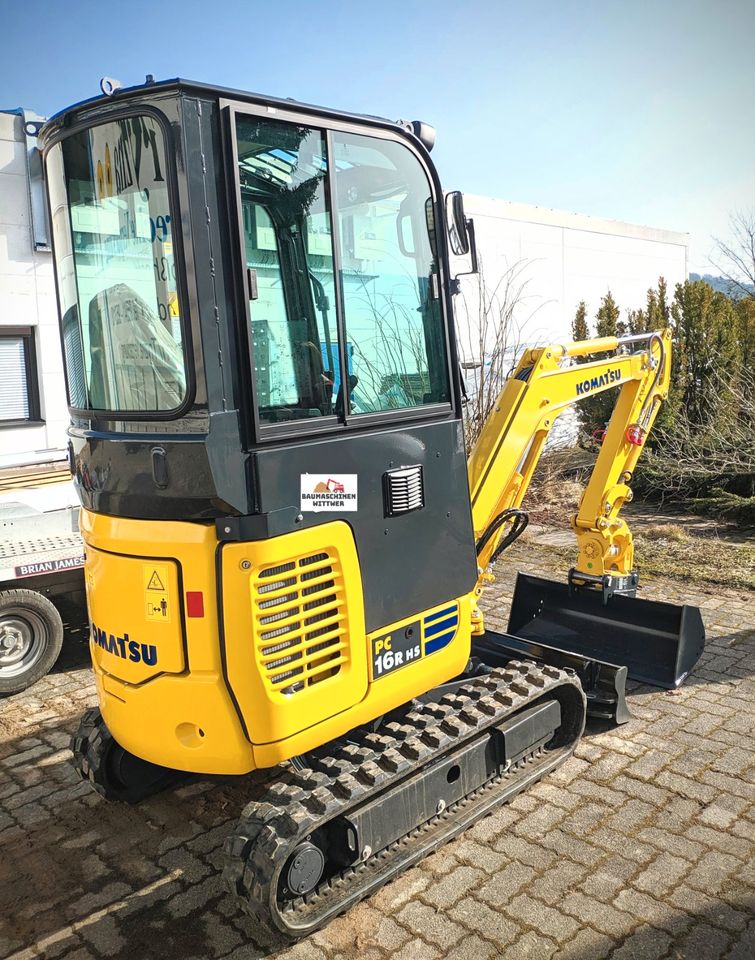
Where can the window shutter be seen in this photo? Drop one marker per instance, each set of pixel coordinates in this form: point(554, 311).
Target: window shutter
point(14, 390)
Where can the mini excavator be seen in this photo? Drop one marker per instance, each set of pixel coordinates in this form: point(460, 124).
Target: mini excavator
point(286, 544)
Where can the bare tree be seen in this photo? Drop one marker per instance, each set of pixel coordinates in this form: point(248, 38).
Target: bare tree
point(735, 259)
point(711, 464)
point(488, 338)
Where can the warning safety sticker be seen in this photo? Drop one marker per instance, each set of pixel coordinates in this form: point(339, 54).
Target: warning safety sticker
point(157, 604)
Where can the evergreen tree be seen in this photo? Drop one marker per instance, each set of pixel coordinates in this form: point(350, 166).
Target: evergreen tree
point(655, 315)
point(607, 319)
point(745, 312)
point(706, 350)
point(579, 327)
point(596, 409)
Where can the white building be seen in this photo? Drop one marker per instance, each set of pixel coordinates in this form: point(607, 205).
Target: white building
point(558, 259)
point(554, 259)
point(33, 410)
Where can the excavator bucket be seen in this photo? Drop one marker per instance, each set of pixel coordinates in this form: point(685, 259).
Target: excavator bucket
point(659, 643)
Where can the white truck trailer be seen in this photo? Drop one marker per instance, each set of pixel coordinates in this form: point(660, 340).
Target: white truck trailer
point(41, 561)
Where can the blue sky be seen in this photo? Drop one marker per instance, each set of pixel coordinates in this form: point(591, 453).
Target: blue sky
point(626, 109)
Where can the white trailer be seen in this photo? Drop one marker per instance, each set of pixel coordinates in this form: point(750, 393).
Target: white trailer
point(41, 561)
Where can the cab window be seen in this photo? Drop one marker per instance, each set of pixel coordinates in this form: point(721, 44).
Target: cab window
point(289, 256)
point(114, 245)
point(342, 278)
point(392, 315)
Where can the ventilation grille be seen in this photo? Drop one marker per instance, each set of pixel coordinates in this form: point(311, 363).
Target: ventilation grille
point(299, 621)
point(404, 490)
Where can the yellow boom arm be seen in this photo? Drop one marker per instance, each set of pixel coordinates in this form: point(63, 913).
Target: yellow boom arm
point(542, 386)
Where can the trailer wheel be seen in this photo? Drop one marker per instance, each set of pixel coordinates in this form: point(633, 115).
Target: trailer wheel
point(31, 635)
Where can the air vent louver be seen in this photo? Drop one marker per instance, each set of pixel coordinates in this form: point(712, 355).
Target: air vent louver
point(300, 632)
point(404, 490)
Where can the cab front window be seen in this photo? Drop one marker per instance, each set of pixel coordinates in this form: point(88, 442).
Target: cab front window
point(113, 230)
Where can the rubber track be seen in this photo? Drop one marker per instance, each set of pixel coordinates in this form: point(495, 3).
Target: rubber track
point(91, 747)
point(345, 777)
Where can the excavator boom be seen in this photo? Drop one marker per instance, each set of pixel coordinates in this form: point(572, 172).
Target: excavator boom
point(593, 623)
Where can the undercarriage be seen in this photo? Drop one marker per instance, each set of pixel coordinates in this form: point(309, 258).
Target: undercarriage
point(351, 816)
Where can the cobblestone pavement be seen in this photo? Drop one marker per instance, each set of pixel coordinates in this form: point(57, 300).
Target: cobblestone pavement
point(641, 846)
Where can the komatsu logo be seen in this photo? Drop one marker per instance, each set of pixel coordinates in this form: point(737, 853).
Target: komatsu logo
point(610, 376)
point(125, 648)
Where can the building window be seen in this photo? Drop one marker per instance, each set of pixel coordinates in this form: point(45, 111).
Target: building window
point(19, 393)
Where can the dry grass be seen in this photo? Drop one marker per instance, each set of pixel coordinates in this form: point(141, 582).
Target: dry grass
point(666, 531)
point(701, 559)
point(692, 557)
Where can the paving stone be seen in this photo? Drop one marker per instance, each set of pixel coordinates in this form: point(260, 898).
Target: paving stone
point(712, 872)
point(568, 859)
point(536, 824)
point(599, 792)
point(662, 875)
point(103, 935)
point(610, 876)
point(607, 767)
point(472, 948)
point(505, 884)
point(718, 912)
point(629, 847)
point(642, 790)
point(417, 950)
point(631, 817)
point(478, 918)
point(704, 941)
point(452, 887)
point(744, 947)
point(557, 881)
point(570, 846)
point(601, 916)
point(394, 895)
point(587, 945)
point(645, 943)
point(569, 771)
point(585, 818)
point(480, 855)
point(648, 766)
point(557, 795)
point(719, 840)
point(531, 946)
point(685, 787)
point(546, 920)
point(430, 924)
point(385, 933)
point(658, 913)
point(678, 812)
point(192, 868)
point(672, 843)
point(532, 854)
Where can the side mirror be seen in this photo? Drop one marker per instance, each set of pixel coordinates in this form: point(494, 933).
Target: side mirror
point(457, 224)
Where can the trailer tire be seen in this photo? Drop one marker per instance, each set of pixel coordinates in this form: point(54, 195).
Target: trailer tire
point(31, 635)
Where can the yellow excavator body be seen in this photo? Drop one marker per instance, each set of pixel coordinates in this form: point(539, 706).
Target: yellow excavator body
point(286, 543)
point(197, 686)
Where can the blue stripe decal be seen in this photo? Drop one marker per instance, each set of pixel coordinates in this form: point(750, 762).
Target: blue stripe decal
point(441, 625)
point(440, 613)
point(437, 643)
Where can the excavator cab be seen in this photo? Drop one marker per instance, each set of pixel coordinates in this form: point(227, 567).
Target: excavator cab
point(286, 544)
point(256, 321)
